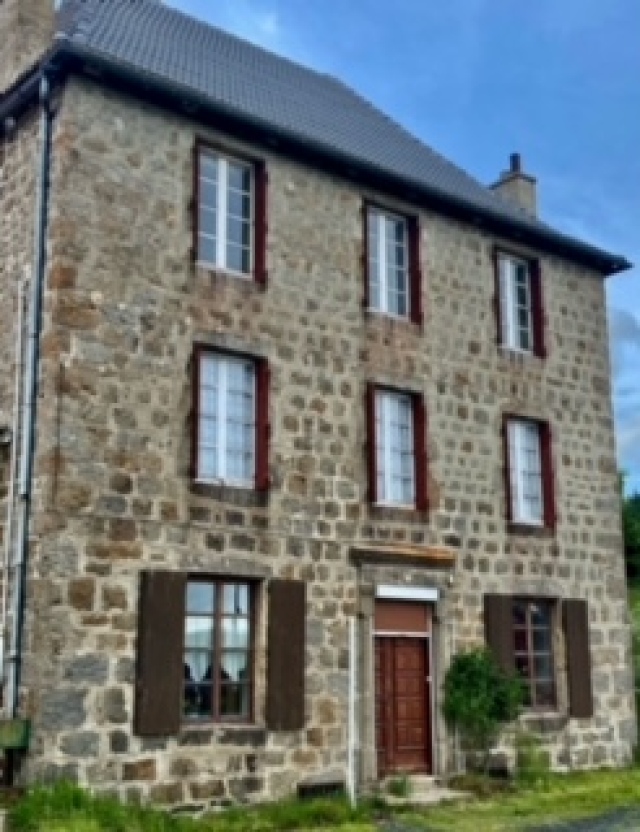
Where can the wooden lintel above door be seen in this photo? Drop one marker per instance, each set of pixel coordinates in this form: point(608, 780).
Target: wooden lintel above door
point(402, 553)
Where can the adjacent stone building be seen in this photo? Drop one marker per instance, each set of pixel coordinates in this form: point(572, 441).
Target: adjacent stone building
point(304, 410)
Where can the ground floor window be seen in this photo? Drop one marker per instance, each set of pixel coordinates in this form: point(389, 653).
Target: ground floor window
point(218, 641)
point(533, 650)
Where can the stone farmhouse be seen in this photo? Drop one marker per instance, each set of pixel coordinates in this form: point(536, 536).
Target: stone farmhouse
point(292, 410)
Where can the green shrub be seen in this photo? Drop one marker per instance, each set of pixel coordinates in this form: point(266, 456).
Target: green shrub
point(399, 786)
point(533, 766)
point(479, 698)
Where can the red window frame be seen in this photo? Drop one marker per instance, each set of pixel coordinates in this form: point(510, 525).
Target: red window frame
point(539, 347)
point(419, 443)
point(414, 271)
point(549, 516)
point(263, 428)
point(260, 205)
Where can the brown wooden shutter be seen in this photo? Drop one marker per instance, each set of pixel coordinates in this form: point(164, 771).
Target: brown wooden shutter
point(261, 223)
point(498, 629)
point(160, 659)
point(415, 270)
point(497, 298)
point(263, 427)
point(506, 469)
point(372, 468)
point(194, 466)
point(548, 476)
point(575, 617)
point(195, 201)
point(365, 255)
point(286, 655)
point(420, 451)
point(537, 310)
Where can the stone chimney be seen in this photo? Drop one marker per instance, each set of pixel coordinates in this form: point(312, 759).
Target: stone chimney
point(26, 31)
point(518, 187)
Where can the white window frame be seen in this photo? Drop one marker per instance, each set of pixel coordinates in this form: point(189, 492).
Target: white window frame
point(385, 456)
point(520, 436)
point(222, 193)
point(378, 265)
point(224, 361)
point(508, 266)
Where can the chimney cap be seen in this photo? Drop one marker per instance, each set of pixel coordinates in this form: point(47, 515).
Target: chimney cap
point(515, 163)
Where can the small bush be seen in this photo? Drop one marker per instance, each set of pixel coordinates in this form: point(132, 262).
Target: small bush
point(399, 786)
point(478, 698)
point(533, 767)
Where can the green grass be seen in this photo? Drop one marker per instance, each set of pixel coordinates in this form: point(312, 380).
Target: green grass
point(66, 808)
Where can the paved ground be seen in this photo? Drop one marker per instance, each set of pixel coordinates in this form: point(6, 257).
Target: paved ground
point(622, 820)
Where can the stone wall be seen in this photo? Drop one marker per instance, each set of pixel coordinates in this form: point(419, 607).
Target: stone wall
point(124, 306)
point(26, 29)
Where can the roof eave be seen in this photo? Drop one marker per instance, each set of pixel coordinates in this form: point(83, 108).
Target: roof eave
point(67, 55)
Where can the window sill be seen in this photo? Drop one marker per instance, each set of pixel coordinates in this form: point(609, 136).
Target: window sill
point(543, 722)
point(376, 315)
point(515, 355)
point(218, 272)
point(228, 493)
point(224, 733)
point(401, 513)
point(529, 530)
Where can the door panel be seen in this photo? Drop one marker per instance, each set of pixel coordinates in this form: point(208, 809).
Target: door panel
point(403, 714)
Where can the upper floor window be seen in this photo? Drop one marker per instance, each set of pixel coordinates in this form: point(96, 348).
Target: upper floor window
point(393, 276)
point(529, 481)
point(231, 419)
point(231, 213)
point(520, 312)
point(397, 450)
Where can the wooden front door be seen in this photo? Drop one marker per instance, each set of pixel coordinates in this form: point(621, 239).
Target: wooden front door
point(403, 704)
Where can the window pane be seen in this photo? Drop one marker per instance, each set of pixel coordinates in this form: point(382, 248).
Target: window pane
point(541, 641)
point(238, 259)
point(197, 666)
point(235, 633)
point(239, 177)
point(234, 700)
point(208, 463)
point(234, 666)
point(199, 632)
point(200, 597)
point(545, 694)
point(208, 167)
point(235, 599)
point(206, 249)
point(543, 668)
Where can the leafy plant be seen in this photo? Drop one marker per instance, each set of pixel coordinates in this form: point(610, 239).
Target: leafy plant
point(399, 786)
point(479, 698)
point(533, 766)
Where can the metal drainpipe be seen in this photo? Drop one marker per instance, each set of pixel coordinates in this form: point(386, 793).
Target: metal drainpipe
point(30, 400)
point(13, 473)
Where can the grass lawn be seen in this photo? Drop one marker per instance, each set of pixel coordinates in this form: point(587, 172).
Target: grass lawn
point(68, 809)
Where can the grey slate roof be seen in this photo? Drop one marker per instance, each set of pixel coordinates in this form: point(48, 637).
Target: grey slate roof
point(166, 46)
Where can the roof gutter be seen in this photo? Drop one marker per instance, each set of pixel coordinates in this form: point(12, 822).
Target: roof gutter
point(69, 56)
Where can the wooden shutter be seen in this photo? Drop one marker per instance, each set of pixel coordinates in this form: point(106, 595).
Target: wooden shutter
point(415, 270)
point(498, 629)
point(263, 427)
point(261, 223)
point(497, 298)
point(420, 451)
point(537, 309)
point(506, 469)
point(194, 466)
point(160, 659)
point(548, 476)
point(365, 255)
point(286, 655)
point(576, 630)
point(372, 468)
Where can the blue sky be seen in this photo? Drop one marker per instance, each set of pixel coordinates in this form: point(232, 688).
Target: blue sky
point(556, 80)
